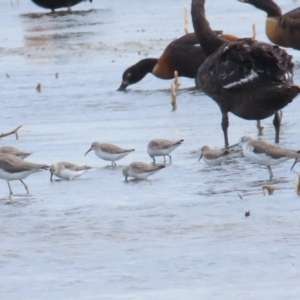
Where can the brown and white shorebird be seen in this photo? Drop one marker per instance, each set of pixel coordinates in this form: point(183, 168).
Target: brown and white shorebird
point(14, 151)
point(109, 152)
point(266, 153)
point(140, 170)
point(14, 168)
point(213, 157)
point(66, 170)
point(161, 147)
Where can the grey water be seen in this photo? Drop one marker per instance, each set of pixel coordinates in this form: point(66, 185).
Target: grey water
point(180, 235)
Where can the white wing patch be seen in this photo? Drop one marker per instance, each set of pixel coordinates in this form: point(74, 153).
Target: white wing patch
point(249, 78)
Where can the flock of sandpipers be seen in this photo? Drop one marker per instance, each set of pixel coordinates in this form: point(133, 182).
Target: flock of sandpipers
point(251, 79)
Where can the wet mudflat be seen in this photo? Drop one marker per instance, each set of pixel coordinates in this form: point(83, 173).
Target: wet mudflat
point(180, 235)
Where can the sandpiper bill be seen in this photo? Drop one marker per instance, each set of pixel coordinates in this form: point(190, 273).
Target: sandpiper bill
point(109, 152)
point(161, 147)
point(140, 170)
point(66, 170)
point(14, 168)
point(14, 151)
point(265, 153)
point(213, 157)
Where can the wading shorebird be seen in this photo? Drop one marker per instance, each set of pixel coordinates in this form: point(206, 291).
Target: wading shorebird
point(66, 170)
point(265, 153)
point(140, 170)
point(213, 157)
point(161, 147)
point(14, 151)
point(109, 152)
point(14, 168)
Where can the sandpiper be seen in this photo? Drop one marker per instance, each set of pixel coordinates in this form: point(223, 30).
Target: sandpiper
point(213, 157)
point(141, 170)
point(14, 151)
point(109, 152)
point(265, 153)
point(161, 147)
point(66, 170)
point(14, 168)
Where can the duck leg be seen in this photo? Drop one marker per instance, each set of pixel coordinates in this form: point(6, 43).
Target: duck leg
point(276, 123)
point(225, 125)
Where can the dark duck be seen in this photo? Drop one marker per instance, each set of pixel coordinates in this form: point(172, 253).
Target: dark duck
point(251, 79)
point(183, 55)
point(281, 29)
point(54, 4)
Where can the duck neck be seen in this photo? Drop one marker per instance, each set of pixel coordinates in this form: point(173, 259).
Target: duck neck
point(208, 40)
point(147, 65)
point(270, 7)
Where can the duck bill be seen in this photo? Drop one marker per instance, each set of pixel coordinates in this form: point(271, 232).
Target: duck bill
point(294, 164)
point(123, 86)
point(200, 156)
point(87, 151)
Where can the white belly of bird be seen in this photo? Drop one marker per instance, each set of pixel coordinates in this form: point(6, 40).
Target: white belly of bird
point(16, 176)
point(262, 158)
point(110, 156)
point(215, 162)
point(144, 175)
point(69, 174)
point(160, 152)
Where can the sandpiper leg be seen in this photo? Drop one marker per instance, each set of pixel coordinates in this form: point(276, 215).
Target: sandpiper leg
point(270, 171)
point(69, 9)
point(113, 164)
point(153, 157)
point(225, 125)
point(170, 157)
point(164, 158)
point(259, 127)
point(25, 186)
point(126, 179)
point(10, 190)
point(276, 123)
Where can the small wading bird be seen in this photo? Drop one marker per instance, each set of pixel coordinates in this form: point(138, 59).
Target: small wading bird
point(14, 168)
point(66, 170)
point(109, 152)
point(54, 4)
point(213, 157)
point(161, 147)
point(140, 170)
point(14, 151)
point(282, 30)
point(250, 79)
point(266, 153)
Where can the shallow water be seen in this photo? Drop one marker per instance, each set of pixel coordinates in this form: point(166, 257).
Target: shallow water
point(180, 235)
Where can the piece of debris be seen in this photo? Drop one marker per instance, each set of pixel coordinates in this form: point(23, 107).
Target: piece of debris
point(15, 131)
point(56, 75)
point(176, 82)
point(241, 197)
point(253, 32)
point(7, 75)
point(269, 188)
point(247, 213)
point(173, 94)
point(186, 20)
point(39, 87)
